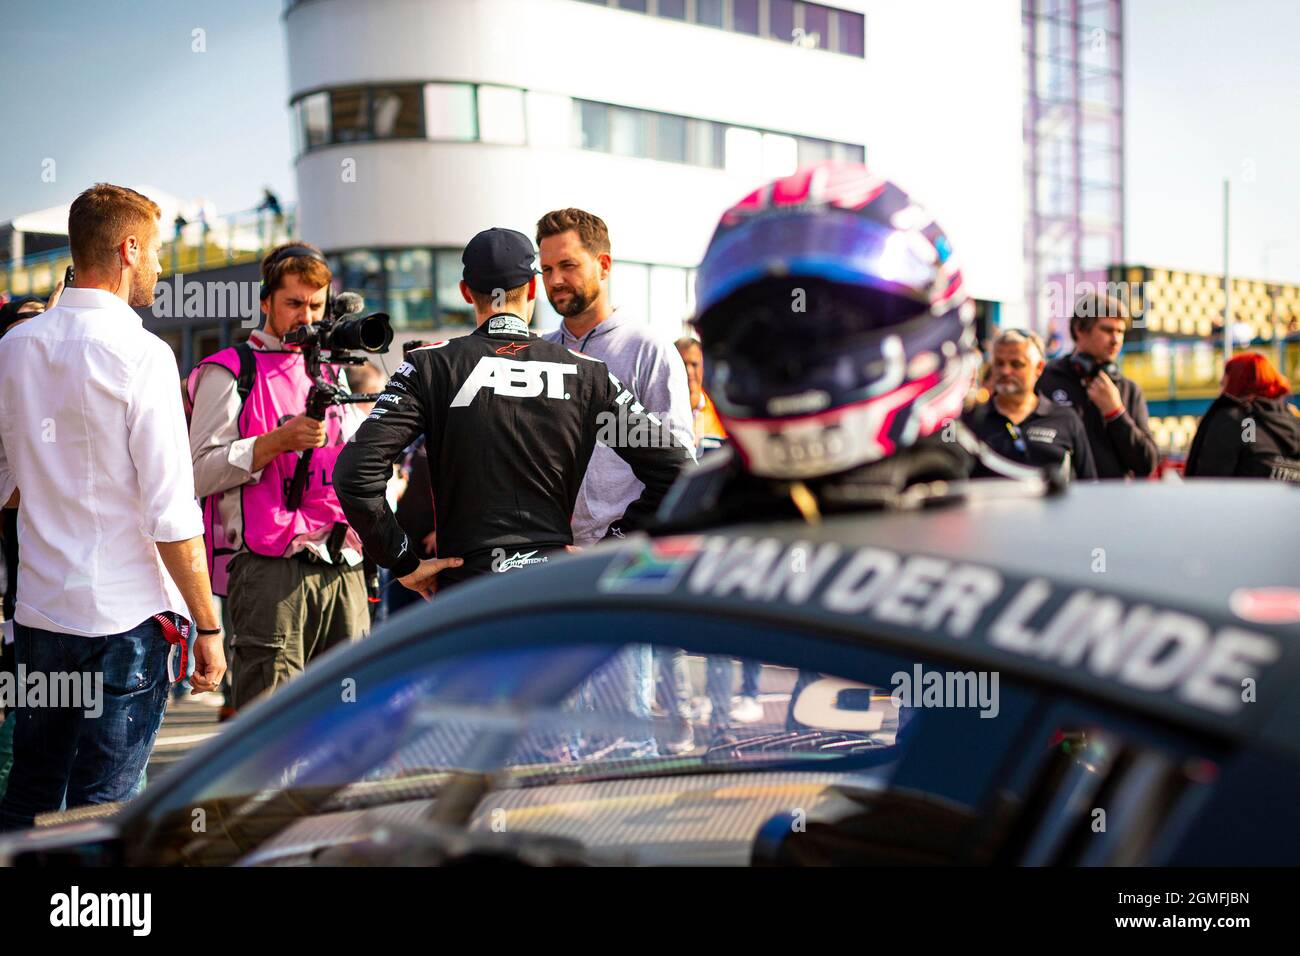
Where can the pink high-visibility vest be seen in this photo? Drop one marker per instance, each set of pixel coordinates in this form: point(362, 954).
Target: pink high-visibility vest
point(278, 392)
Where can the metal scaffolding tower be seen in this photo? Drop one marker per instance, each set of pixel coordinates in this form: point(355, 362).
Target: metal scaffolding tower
point(1074, 149)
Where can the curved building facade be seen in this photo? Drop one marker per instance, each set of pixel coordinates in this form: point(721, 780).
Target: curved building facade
point(420, 122)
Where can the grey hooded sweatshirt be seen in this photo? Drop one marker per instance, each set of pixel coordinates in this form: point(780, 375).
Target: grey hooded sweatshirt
point(655, 373)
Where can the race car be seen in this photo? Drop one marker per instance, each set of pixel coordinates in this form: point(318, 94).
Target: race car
point(1103, 676)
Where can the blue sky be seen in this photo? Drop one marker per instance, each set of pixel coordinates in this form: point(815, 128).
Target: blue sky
point(113, 91)
point(1212, 90)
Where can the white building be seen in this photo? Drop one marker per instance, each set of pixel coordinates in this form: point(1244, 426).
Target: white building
point(421, 122)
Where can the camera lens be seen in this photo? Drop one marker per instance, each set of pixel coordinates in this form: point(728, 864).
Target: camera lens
point(370, 334)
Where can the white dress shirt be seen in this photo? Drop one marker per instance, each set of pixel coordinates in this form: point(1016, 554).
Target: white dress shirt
point(93, 434)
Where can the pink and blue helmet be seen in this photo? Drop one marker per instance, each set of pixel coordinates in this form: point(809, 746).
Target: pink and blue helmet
point(834, 323)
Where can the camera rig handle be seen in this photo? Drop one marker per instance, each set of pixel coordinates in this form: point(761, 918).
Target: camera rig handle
point(320, 397)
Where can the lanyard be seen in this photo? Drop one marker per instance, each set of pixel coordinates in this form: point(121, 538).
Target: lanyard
point(582, 347)
point(176, 630)
point(1016, 439)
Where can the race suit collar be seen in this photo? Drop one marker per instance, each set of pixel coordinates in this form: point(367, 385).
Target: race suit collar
point(504, 325)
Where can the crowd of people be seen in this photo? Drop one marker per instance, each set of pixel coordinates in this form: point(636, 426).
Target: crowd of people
point(1078, 412)
point(156, 526)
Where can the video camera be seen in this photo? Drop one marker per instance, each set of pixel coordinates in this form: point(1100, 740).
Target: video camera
point(341, 332)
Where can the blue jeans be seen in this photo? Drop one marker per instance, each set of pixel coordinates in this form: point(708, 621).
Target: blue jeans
point(397, 596)
point(676, 677)
point(721, 673)
point(62, 751)
point(623, 687)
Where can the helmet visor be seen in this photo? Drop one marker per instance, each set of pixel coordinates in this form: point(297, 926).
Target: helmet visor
point(843, 248)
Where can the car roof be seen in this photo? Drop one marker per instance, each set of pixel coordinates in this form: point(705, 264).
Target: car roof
point(1002, 582)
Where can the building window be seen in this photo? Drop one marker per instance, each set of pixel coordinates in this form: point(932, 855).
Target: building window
point(175, 339)
point(396, 112)
point(697, 142)
point(315, 113)
point(668, 305)
point(708, 12)
point(780, 155)
point(205, 342)
point(501, 115)
point(508, 115)
point(349, 115)
point(420, 289)
point(707, 143)
point(593, 125)
point(670, 138)
point(550, 120)
point(409, 274)
point(449, 112)
point(817, 26)
point(850, 35)
point(780, 20)
point(362, 271)
point(629, 289)
point(744, 153)
point(813, 151)
point(825, 28)
point(744, 16)
point(848, 153)
point(545, 318)
point(451, 308)
point(627, 132)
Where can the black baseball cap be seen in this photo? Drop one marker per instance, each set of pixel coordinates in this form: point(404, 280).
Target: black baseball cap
point(498, 259)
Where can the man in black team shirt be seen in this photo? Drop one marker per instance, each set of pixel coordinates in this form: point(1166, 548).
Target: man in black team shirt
point(1022, 425)
point(510, 422)
point(1087, 381)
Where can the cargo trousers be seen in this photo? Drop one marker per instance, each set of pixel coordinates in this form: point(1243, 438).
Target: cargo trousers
point(287, 612)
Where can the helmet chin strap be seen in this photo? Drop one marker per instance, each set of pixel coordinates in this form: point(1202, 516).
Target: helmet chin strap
point(806, 502)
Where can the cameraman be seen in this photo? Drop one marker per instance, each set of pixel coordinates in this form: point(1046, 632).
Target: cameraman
point(1113, 408)
point(294, 580)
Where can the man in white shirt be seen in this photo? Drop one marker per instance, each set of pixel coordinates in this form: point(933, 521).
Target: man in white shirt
point(94, 454)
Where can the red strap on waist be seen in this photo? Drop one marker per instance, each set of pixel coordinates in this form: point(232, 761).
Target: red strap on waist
point(177, 635)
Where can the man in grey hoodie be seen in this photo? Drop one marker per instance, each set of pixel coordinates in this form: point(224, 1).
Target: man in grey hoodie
point(576, 263)
point(574, 251)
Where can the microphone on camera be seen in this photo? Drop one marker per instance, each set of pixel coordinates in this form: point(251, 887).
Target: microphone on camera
point(348, 303)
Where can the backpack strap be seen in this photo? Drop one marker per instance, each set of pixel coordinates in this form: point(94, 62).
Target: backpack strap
point(247, 371)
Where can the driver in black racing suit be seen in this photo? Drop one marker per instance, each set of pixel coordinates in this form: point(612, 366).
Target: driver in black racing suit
point(839, 350)
point(511, 421)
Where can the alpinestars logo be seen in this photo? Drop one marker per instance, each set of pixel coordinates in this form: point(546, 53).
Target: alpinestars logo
point(514, 379)
point(501, 564)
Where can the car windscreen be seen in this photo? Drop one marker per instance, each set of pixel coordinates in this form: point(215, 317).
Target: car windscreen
point(560, 699)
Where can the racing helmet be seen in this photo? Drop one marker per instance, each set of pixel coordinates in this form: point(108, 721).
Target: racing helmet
point(834, 322)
